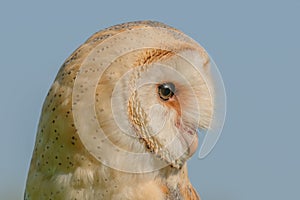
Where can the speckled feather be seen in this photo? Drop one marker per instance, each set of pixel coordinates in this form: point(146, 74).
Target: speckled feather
point(61, 166)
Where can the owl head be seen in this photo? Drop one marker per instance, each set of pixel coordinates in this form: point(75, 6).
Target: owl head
point(146, 91)
point(132, 98)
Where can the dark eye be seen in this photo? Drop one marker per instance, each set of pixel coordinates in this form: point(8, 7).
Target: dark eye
point(166, 91)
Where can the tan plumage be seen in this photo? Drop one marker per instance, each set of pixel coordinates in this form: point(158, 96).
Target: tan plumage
point(107, 132)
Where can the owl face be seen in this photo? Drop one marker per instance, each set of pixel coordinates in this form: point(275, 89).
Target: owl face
point(158, 103)
point(163, 119)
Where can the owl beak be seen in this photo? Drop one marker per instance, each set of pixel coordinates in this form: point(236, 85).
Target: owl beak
point(193, 145)
point(191, 137)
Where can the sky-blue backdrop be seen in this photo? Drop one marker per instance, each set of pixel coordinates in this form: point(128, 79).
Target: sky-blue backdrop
point(255, 44)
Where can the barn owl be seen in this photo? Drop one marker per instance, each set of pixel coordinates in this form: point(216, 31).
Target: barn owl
point(121, 118)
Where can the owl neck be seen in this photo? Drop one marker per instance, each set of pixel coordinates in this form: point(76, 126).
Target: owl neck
point(167, 183)
point(176, 184)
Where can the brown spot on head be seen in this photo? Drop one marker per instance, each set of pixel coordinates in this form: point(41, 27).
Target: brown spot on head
point(150, 56)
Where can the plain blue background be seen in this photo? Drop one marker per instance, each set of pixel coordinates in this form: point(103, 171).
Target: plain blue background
point(255, 44)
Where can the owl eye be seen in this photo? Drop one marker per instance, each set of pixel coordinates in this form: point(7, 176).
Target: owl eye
point(166, 91)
